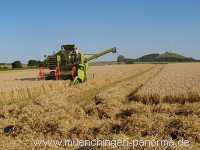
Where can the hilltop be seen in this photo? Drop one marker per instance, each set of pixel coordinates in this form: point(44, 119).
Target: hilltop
point(162, 57)
point(168, 57)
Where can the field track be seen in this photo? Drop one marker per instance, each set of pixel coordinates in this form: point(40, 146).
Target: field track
point(90, 94)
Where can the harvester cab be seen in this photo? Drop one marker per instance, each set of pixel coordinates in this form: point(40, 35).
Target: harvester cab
point(70, 63)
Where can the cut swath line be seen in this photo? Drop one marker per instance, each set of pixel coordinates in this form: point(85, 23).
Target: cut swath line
point(133, 95)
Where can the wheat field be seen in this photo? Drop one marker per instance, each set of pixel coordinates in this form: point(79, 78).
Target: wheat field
point(178, 83)
point(24, 84)
point(139, 101)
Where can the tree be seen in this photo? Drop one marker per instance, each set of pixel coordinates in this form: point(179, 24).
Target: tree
point(45, 63)
point(41, 64)
point(120, 58)
point(33, 63)
point(16, 64)
point(37, 63)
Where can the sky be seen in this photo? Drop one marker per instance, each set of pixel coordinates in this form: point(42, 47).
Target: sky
point(29, 29)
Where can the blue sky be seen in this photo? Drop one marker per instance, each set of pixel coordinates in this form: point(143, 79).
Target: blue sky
point(30, 29)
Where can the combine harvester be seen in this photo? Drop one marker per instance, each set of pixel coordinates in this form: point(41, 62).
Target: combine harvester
point(69, 63)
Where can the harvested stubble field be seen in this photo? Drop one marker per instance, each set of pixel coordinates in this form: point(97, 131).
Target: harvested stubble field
point(117, 102)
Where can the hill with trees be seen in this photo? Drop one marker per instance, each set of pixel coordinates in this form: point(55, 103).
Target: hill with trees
point(156, 57)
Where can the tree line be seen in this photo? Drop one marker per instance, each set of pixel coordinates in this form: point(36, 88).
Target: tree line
point(31, 64)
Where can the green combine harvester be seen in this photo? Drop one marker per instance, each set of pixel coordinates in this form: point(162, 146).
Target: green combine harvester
point(70, 63)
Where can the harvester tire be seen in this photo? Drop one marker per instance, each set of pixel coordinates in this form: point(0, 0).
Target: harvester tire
point(74, 72)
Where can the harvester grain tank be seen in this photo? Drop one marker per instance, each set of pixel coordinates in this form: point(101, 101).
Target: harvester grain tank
point(70, 63)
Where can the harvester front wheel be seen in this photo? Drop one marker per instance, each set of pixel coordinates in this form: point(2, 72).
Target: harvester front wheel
point(74, 72)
